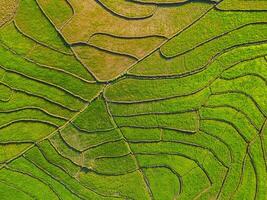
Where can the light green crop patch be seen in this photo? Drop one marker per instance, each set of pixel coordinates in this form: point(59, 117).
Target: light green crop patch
point(243, 5)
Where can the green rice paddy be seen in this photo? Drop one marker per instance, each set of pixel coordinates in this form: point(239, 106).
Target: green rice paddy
point(133, 99)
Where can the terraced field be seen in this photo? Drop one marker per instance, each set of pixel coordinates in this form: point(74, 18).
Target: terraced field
point(133, 99)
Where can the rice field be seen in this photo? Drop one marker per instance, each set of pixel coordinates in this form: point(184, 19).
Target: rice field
point(133, 99)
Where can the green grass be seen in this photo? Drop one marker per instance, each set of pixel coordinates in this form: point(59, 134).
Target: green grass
point(25, 131)
point(29, 49)
point(54, 157)
point(134, 89)
point(243, 5)
point(9, 151)
point(33, 114)
point(81, 140)
point(180, 121)
point(241, 103)
point(59, 11)
point(213, 24)
point(201, 55)
point(27, 184)
point(130, 185)
point(42, 90)
point(112, 149)
point(65, 150)
point(163, 183)
point(37, 26)
point(94, 117)
point(22, 100)
point(136, 100)
point(5, 93)
point(29, 168)
point(73, 85)
point(186, 103)
point(10, 191)
point(38, 159)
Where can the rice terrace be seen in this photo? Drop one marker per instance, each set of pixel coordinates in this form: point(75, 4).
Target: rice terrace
point(133, 99)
